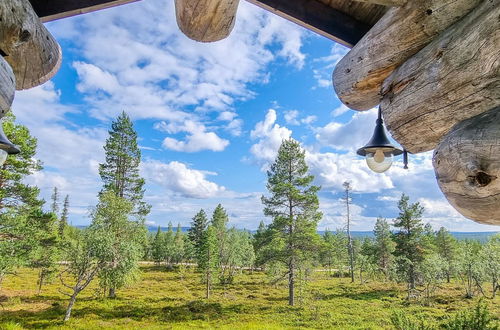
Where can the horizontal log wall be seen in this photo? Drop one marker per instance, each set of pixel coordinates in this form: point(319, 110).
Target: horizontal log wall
point(455, 77)
point(27, 46)
point(398, 35)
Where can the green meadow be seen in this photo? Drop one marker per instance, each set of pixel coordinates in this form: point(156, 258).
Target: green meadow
point(174, 299)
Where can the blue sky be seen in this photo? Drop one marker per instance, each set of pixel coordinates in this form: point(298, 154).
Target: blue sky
point(210, 118)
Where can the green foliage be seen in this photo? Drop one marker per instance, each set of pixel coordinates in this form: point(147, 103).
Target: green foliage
point(478, 318)
point(120, 171)
point(409, 246)
point(63, 222)
point(209, 258)
point(158, 247)
point(197, 230)
point(384, 246)
point(446, 247)
point(490, 260)
point(469, 266)
point(402, 321)
point(293, 205)
point(124, 240)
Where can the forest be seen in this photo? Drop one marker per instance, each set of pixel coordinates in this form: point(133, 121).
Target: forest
point(115, 274)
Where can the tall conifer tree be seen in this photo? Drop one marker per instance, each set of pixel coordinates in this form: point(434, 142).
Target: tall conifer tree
point(196, 232)
point(384, 245)
point(409, 245)
point(120, 171)
point(293, 204)
point(54, 206)
point(63, 222)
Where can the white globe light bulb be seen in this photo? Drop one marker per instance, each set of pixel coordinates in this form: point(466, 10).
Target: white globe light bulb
point(374, 163)
point(379, 156)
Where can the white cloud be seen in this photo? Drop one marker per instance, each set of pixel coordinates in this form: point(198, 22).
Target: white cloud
point(197, 138)
point(340, 110)
point(178, 178)
point(292, 118)
point(269, 136)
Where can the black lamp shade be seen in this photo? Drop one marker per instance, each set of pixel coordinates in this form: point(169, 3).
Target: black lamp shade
point(379, 140)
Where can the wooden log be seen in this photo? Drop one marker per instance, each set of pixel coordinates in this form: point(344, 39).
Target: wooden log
point(391, 3)
point(398, 35)
point(27, 46)
point(467, 167)
point(206, 20)
point(455, 77)
point(7, 87)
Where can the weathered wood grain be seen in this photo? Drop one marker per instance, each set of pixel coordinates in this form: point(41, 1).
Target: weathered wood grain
point(467, 167)
point(7, 86)
point(455, 77)
point(31, 51)
point(392, 3)
point(398, 35)
point(206, 20)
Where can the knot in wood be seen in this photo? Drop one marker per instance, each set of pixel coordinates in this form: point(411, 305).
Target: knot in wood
point(481, 179)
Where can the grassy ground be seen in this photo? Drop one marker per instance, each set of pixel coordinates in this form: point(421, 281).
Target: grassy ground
point(166, 299)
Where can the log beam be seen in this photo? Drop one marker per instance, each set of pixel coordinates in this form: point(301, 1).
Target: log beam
point(31, 51)
point(318, 17)
point(206, 20)
point(7, 86)
point(50, 10)
point(455, 77)
point(397, 36)
point(467, 167)
point(390, 3)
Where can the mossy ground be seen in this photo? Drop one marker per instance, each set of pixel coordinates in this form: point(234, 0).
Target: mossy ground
point(167, 299)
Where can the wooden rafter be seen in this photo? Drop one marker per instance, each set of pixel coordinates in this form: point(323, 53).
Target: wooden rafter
point(318, 17)
point(50, 10)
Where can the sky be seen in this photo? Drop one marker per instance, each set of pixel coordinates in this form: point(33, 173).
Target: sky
point(210, 118)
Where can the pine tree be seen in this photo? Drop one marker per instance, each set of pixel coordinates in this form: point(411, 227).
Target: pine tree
point(54, 206)
point(196, 232)
point(18, 200)
point(384, 246)
point(260, 239)
point(120, 171)
point(409, 247)
point(63, 222)
point(446, 246)
point(169, 245)
point(293, 204)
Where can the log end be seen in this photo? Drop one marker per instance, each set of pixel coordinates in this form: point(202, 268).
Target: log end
point(467, 167)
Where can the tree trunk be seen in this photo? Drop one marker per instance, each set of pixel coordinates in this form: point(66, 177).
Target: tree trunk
point(112, 293)
point(206, 20)
point(397, 36)
point(455, 77)
point(40, 281)
point(30, 49)
point(70, 306)
point(467, 167)
point(291, 285)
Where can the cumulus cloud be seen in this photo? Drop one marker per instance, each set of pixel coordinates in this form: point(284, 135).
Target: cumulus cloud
point(178, 178)
point(292, 118)
point(269, 136)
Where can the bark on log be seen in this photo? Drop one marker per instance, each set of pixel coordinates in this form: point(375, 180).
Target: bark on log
point(455, 77)
point(398, 35)
point(7, 87)
point(467, 167)
point(31, 51)
point(206, 20)
point(391, 3)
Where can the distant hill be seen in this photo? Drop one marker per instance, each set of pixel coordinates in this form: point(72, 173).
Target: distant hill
point(479, 236)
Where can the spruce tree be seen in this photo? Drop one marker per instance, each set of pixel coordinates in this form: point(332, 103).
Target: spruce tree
point(178, 254)
point(219, 222)
point(209, 262)
point(409, 245)
point(169, 245)
point(196, 232)
point(384, 246)
point(293, 204)
point(54, 206)
point(120, 171)
point(63, 222)
point(157, 247)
